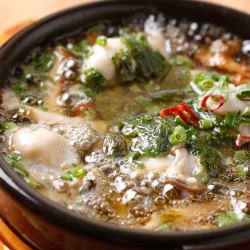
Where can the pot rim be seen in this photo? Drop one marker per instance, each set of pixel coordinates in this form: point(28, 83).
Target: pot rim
point(74, 222)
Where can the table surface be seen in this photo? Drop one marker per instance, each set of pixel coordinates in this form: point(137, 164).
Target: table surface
point(17, 14)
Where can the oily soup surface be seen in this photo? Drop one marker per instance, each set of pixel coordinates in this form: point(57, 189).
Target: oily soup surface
point(144, 124)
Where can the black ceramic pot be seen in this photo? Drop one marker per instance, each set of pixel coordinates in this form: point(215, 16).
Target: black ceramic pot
point(46, 225)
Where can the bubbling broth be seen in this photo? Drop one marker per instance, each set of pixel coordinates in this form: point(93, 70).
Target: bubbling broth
point(145, 124)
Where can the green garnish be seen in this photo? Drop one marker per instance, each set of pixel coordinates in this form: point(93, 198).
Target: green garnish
point(165, 227)
point(243, 92)
point(228, 218)
point(31, 182)
point(149, 64)
point(148, 137)
point(8, 125)
point(77, 171)
point(80, 48)
point(42, 60)
point(240, 155)
point(133, 156)
point(207, 80)
point(181, 122)
point(242, 170)
point(125, 67)
point(206, 84)
point(14, 161)
point(229, 119)
point(246, 112)
point(94, 80)
point(179, 136)
point(102, 41)
point(114, 145)
point(206, 124)
point(89, 92)
point(209, 156)
point(134, 89)
point(184, 61)
point(139, 165)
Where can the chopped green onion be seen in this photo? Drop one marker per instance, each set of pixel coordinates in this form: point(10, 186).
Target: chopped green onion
point(150, 64)
point(184, 61)
point(165, 227)
point(14, 161)
point(206, 80)
point(31, 182)
point(8, 125)
point(124, 65)
point(206, 84)
point(229, 119)
point(134, 88)
point(147, 118)
point(114, 145)
point(241, 170)
point(179, 136)
point(240, 155)
point(191, 131)
point(66, 177)
point(20, 170)
point(43, 61)
point(246, 112)
point(80, 49)
point(179, 121)
point(206, 124)
point(133, 156)
point(139, 165)
point(243, 92)
point(94, 80)
point(228, 218)
point(77, 171)
point(89, 93)
point(102, 41)
point(245, 119)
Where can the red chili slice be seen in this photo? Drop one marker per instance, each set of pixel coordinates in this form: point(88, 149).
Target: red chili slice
point(185, 108)
point(169, 111)
point(77, 109)
point(186, 119)
point(241, 139)
point(207, 97)
point(185, 113)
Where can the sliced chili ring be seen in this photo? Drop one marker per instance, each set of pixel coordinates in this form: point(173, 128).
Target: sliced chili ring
point(185, 108)
point(169, 111)
point(207, 97)
point(241, 139)
point(186, 119)
point(185, 113)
